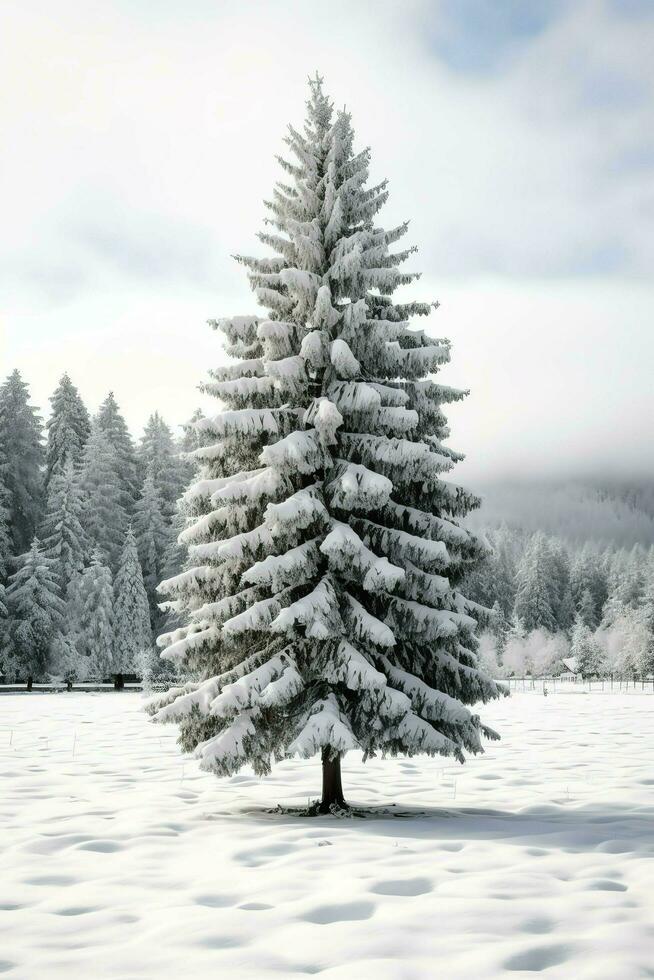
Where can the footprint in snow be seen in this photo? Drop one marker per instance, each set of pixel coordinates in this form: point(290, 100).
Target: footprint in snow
point(345, 912)
point(538, 958)
point(101, 846)
point(77, 910)
point(538, 925)
point(215, 901)
point(403, 887)
point(606, 885)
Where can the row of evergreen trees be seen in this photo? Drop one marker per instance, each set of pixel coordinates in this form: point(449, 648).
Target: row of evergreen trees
point(600, 599)
point(88, 528)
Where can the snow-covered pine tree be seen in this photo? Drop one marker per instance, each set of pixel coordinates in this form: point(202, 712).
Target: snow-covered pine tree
point(5, 553)
point(499, 628)
point(586, 611)
point(153, 537)
point(587, 574)
point(35, 612)
point(322, 603)
point(64, 538)
point(493, 578)
point(159, 455)
point(110, 421)
point(131, 612)
point(21, 457)
point(504, 568)
point(4, 636)
point(537, 593)
point(93, 632)
point(104, 500)
point(625, 585)
point(68, 428)
point(6, 544)
point(66, 661)
point(8, 661)
point(564, 609)
point(634, 652)
point(164, 615)
point(648, 608)
point(585, 650)
point(190, 440)
point(480, 581)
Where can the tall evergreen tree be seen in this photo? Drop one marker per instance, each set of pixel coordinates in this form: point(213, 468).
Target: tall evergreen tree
point(94, 629)
point(189, 442)
point(104, 499)
point(164, 615)
point(586, 651)
point(634, 652)
point(323, 611)
point(648, 613)
point(131, 613)
point(153, 536)
point(64, 537)
point(504, 569)
point(68, 428)
point(500, 628)
point(4, 637)
point(563, 608)
point(625, 586)
point(159, 455)
point(537, 592)
point(5, 554)
point(587, 611)
point(8, 661)
point(65, 658)
point(21, 456)
point(6, 543)
point(110, 421)
point(587, 574)
point(35, 610)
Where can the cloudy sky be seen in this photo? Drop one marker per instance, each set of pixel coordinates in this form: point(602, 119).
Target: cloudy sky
point(138, 144)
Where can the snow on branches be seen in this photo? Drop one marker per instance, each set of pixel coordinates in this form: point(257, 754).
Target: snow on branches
point(321, 594)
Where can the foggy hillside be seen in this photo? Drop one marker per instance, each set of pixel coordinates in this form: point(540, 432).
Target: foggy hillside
point(618, 513)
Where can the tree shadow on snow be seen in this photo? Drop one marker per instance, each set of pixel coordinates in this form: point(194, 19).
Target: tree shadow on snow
point(607, 828)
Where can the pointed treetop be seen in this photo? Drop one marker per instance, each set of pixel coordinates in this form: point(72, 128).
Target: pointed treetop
point(68, 427)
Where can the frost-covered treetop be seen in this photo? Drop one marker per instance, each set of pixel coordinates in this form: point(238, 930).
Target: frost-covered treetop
point(320, 598)
point(68, 428)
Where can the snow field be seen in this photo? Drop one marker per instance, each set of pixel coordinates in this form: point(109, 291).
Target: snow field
point(120, 859)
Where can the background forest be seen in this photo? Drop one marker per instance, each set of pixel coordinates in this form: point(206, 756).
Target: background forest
point(89, 519)
point(88, 528)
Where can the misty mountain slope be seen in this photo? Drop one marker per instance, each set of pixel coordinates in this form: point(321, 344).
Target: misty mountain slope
point(619, 514)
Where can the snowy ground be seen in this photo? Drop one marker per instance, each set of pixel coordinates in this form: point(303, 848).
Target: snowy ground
point(121, 860)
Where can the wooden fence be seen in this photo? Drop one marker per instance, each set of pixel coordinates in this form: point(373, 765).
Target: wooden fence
point(564, 683)
point(54, 687)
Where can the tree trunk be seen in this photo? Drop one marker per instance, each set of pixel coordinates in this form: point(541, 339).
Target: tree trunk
point(332, 788)
point(69, 685)
point(30, 681)
point(119, 682)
